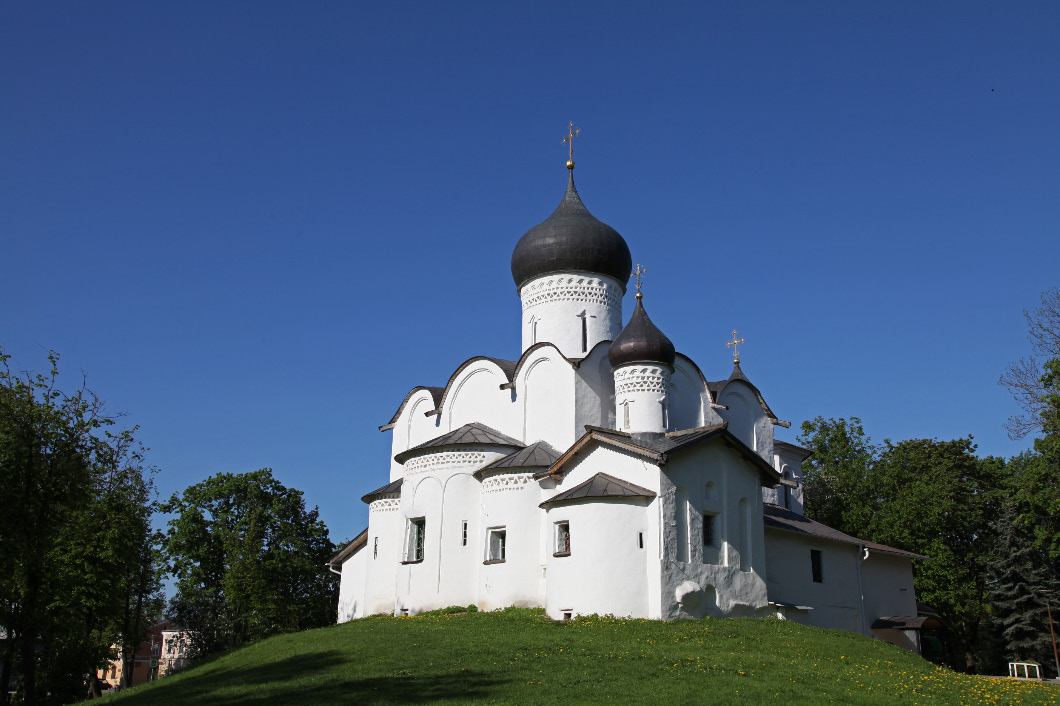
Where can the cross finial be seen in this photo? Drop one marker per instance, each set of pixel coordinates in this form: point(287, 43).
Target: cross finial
point(573, 131)
point(639, 274)
point(734, 343)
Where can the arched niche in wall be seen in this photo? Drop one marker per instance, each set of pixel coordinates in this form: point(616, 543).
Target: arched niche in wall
point(739, 417)
point(476, 396)
point(681, 519)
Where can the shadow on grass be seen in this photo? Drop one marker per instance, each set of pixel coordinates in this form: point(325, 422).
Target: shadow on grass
point(297, 680)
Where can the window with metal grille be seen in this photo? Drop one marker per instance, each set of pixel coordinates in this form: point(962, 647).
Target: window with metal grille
point(463, 533)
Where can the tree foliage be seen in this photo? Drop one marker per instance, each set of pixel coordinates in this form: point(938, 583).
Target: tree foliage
point(931, 497)
point(75, 508)
point(248, 561)
point(1021, 580)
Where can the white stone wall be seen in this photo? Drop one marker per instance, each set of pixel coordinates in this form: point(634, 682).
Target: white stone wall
point(641, 403)
point(544, 398)
point(555, 306)
point(689, 399)
point(607, 568)
point(382, 554)
point(888, 586)
point(351, 587)
point(509, 503)
point(836, 601)
point(440, 489)
point(594, 390)
point(727, 579)
point(747, 420)
point(608, 571)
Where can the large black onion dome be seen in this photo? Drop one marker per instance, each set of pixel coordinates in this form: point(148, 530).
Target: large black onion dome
point(571, 240)
point(641, 341)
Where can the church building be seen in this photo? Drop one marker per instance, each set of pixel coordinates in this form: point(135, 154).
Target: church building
point(601, 471)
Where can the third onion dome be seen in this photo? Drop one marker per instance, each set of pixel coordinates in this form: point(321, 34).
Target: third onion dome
point(641, 341)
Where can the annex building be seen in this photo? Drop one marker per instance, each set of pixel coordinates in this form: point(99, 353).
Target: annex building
point(601, 471)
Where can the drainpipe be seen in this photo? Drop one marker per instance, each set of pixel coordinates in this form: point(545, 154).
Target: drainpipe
point(863, 554)
point(332, 570)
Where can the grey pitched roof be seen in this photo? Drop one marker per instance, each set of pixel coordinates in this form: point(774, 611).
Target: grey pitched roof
point(344, 553)
point(388, 489)
point(473, 434)
point(571, 240)
point(601, 486)
point(658, 448)
point(776, 517)
point(537, 455)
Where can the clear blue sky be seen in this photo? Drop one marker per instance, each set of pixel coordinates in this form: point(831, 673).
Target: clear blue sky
point(256, 226)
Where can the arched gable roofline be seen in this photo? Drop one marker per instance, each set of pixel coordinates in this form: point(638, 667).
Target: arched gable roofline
point(436, 394)
point(717, 388)
point(526, 356)
point(692, 363)
point(507, 368)
point(577, 362)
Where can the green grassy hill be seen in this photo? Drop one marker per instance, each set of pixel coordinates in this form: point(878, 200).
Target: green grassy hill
point(517, 657)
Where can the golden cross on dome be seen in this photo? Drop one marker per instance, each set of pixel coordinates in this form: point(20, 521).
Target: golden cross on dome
point(573, 131)
point(639, 274)
point(734, 343)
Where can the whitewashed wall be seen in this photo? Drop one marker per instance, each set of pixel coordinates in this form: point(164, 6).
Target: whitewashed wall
point(509, 501)
point(442, 578)
point(836, 601)
point(604, 542)
point(726, 580)
point(555, 305)
point(607, 572)
point(385, 526)
point(351, 587)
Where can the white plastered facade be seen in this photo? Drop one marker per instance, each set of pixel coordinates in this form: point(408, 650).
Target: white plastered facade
point(687, 536)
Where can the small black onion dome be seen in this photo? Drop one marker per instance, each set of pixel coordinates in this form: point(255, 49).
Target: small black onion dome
point(571, 240)
point(641, 341)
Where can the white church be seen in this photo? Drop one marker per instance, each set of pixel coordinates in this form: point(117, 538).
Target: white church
point(602, 472)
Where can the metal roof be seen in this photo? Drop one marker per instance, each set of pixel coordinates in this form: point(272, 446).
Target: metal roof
point(388, 489)
point(776, 517)
point(658, 448)
point(601, 486)
point(473, 434)
point(537, 455)
point(344, 553)
point(641, 341)
point(571, 240)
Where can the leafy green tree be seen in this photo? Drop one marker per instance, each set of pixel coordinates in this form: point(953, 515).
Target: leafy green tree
point(75, 507)
point(938, 499)
point(837, 477)
point(932, 497)
point(248, 560)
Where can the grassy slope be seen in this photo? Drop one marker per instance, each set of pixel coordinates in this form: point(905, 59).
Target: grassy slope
point(515, 656)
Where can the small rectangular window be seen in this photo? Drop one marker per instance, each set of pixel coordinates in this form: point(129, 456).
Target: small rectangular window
point(463, 533)
point(562, 539)
point(375, 548)
point(417, 532)
point(815, 566)
point(640, 540)
point(495, 548)
point(708, 530)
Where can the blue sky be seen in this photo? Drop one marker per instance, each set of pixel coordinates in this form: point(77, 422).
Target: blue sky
point(255, 226)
